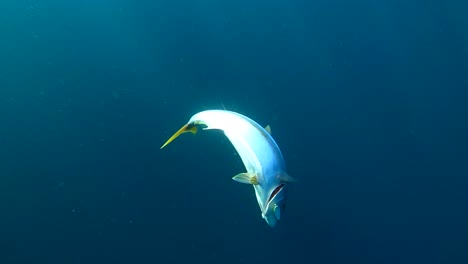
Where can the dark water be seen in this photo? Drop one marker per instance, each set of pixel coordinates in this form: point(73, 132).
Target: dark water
point(367, 100)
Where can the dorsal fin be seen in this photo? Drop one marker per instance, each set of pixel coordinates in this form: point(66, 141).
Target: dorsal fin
point(268, 129)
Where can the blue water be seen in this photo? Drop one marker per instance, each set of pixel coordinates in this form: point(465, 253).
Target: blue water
point(367, 100)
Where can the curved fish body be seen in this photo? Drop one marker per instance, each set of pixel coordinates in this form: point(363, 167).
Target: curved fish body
point(262, 158)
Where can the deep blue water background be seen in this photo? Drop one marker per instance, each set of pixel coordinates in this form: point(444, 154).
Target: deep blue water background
point(367, 100)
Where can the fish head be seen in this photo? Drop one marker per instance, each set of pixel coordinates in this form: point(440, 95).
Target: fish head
point(275, 205)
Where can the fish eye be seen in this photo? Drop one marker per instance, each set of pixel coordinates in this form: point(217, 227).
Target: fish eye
point(277, 212)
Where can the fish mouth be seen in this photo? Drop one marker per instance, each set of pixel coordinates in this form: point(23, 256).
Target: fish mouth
point(275, 192)
point(265, 206)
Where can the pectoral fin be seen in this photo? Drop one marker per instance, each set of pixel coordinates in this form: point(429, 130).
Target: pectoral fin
point(187, 128)
point(284, 177)
point(246, 178)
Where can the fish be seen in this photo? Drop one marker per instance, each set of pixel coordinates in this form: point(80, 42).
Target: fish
point(260, 154)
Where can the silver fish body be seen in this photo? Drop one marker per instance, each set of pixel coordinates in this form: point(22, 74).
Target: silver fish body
point(261, 156)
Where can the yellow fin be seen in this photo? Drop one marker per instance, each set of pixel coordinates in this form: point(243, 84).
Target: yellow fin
point(246, 178)
point(268, 129)
point(186, 128)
